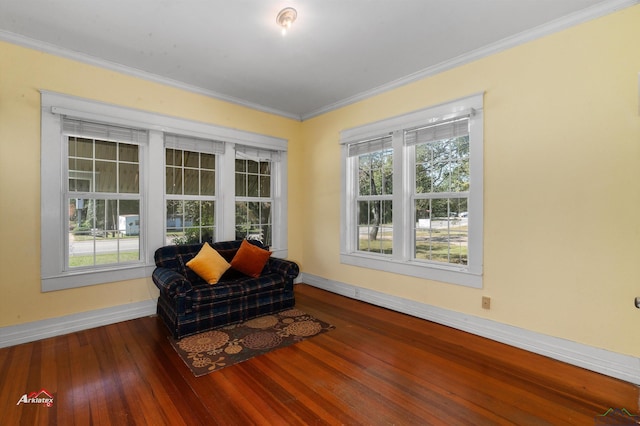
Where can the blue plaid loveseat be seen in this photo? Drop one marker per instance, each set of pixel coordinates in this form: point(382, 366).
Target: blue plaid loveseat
point(188, 305)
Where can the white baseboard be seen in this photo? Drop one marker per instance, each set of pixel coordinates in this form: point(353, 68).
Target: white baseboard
point(32, 331)
point(612, 364)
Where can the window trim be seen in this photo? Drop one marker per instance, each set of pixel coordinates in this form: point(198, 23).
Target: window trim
point(55, 105)
point(401, 262)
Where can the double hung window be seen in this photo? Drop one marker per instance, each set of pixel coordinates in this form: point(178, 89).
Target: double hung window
point(102, 194)
point(254, 200)
point(412, 197)
point(190, 189)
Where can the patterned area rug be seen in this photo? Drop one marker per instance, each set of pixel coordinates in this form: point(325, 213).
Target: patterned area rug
point(216, 349)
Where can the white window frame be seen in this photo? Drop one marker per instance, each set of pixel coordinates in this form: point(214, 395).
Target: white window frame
point(401, 261)
point(54, 275)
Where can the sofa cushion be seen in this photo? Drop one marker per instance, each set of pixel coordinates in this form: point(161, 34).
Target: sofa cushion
point(204, 296)
point(250, 259)
point(208, 264)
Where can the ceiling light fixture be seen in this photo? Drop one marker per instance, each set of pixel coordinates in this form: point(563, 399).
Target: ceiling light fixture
point(285, 18)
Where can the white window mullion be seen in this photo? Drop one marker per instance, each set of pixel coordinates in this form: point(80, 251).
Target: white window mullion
point(399, 201)
point(154, 188)
point(225, 207)
point(409, 180)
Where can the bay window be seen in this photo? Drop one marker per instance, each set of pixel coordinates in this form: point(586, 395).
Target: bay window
point(118, 183)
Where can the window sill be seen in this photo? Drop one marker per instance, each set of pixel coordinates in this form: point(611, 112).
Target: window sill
point(92, 277)
point(414, 269)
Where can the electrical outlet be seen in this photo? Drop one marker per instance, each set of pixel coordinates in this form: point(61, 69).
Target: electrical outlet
point(486, 302)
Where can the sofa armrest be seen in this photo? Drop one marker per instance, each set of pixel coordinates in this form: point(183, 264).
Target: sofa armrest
point(286, 268)
point(171, 283)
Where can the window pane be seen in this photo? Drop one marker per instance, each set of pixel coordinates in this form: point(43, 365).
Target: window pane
point(242, 218)
point(173, 157)
point(265, 168)
point(174, 220)
point(191, 213)
point(207, 182)
point(207, 213)
point(252, 186)
point(106, 150)
point(208, 161)
point(265, 186)
point(80, 175)
point(241, 184)
point(265, 212)
point(128, 152)
point(191, 159)
point(106, 175)
point(80, 147)
point(191, 182)
point(174, 180)
point(128, 178)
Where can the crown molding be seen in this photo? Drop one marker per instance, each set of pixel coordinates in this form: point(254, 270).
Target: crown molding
point(134, 72)
point(596, 11)
point(593, 12)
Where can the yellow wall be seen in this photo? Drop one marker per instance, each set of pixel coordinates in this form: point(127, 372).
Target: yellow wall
point(23, 72)
point(562, 166)
point(562, 179)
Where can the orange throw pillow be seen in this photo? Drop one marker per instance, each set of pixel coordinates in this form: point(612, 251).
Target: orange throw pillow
point(250, 259)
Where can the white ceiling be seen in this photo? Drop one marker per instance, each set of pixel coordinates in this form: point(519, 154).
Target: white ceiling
point(336, 52)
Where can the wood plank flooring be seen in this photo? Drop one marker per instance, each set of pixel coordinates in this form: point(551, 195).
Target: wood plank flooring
point(377, 367)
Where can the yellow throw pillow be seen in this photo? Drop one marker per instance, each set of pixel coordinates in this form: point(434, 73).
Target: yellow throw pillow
point(208, 264)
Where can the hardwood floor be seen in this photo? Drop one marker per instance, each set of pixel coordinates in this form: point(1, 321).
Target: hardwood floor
point(377, 367)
